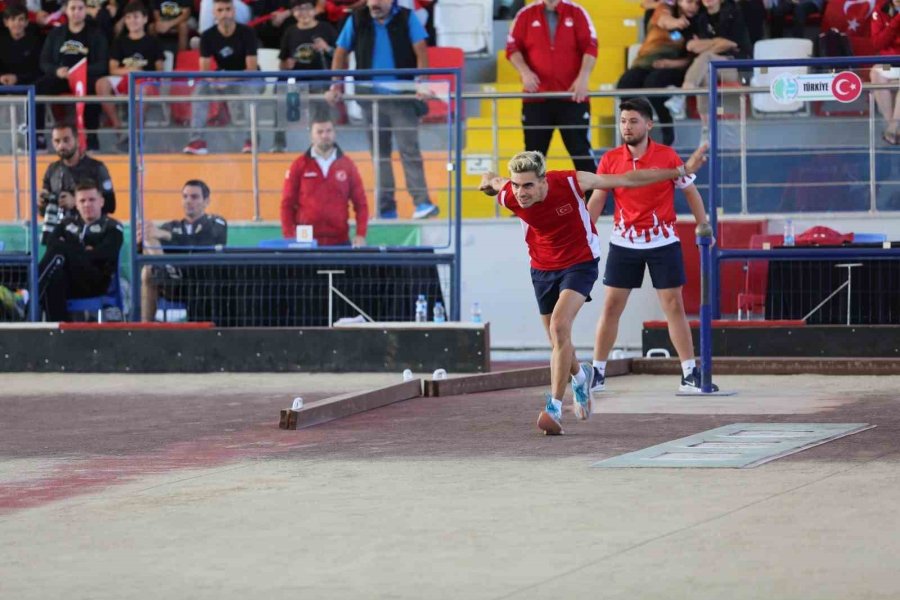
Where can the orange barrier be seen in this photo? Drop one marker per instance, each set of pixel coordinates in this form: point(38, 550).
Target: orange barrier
point(229, 176)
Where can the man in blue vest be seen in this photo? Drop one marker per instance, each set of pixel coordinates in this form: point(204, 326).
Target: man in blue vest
point(384, 35)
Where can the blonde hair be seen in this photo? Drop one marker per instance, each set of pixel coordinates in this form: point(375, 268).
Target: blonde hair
point(530, 161)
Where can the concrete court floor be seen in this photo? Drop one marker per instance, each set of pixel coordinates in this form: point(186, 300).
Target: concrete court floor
point(177, 486)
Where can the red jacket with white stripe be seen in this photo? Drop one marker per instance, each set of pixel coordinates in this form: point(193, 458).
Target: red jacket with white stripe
point(311, 198)
point(556, 63)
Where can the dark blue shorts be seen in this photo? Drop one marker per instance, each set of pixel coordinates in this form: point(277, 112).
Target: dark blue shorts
point(548, 284)
point(625, 267)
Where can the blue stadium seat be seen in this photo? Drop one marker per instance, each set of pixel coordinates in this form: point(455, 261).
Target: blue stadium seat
point(96, 304)
point(869, 238)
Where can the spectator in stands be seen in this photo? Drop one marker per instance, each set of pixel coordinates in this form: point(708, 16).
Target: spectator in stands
point(198, 231)
point(799, 11)
point(886, 40)
point(170, 23)
point(553, 46)
point(505, 9)
point(73, 166)
point(233, 45)
point(310, 44)
point(208, 17)
point(306, 46)
point(63, 49)
point(82, 254)
point(20, 49)
point(102, 14)
point(663, 59)
point(132, 50)
point(718, 32)
point(385, 36)
point(318, 188)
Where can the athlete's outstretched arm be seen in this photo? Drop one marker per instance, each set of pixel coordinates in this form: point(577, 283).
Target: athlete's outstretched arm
point(491, 183)
point(642, 177)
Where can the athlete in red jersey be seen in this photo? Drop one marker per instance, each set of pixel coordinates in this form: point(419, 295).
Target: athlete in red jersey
point(644, 234)
point(564, 250)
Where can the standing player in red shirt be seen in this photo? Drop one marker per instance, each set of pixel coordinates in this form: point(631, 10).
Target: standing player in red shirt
point(564, 250)
point(644, 234)
point(553, 46)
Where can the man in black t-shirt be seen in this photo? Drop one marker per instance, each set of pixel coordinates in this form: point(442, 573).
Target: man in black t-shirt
point(132, 50)
point(170, 22)
point(233, 46)
point(64, 47)
point(20, 49)
point(198, 231)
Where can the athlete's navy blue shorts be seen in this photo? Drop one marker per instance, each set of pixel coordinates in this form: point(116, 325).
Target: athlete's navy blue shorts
point(548, 284)
point(625, 267)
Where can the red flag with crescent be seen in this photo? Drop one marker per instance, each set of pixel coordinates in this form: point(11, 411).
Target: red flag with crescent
point(78, 78)
point(849, 16)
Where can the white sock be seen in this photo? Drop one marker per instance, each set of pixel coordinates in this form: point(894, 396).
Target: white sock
point(557, 404)
point(600, 365)
point(579, 377)
point(687, 367)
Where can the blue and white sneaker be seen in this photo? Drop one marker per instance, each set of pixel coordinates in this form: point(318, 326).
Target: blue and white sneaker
point(424, 211)
point(599, 383)
point(582, 403)
point(550, 419)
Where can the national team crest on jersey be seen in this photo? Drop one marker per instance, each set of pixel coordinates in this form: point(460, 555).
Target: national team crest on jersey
point(564, 210)
point(341, 175)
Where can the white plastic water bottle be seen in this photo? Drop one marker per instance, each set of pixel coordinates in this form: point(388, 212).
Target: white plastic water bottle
point(476, 312)
point(440, 314)
point(789, 232)
point(421, 309)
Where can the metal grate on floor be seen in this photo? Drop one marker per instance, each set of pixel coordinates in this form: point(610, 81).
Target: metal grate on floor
point(738, 446)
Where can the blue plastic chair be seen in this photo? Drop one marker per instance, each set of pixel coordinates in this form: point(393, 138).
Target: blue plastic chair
point(96, 304)
point(869, 238)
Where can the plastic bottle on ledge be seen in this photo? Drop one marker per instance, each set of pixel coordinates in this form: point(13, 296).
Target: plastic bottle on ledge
point(789, 232)
point(476, 312)
point(421, 309)
point(440, 315)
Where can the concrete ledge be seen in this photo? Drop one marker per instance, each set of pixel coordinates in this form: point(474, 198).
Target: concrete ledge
point(338, 407)
point(775, 366)
point(504, 380)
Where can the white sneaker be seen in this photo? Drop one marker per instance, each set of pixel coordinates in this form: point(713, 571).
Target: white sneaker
point(676, 106)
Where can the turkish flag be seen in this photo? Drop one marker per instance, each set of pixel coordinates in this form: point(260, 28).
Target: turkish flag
point(849, 16)
point(78, 77)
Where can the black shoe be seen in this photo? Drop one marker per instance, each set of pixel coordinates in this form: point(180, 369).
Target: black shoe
point(692, 383)
point(599, 381)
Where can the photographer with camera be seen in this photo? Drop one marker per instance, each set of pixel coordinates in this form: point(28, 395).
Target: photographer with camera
point(57, 199)
point(82, 254)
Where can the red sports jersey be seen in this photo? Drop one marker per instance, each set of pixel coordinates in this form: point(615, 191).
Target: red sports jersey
point(558, 231)
point(644, 216)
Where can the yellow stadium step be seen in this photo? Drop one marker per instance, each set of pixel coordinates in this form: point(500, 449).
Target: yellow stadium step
point(614, 8)
point(617, 30)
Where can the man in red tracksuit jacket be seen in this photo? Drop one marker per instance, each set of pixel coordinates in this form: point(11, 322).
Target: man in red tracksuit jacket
point(553, 46)
point(317, 189)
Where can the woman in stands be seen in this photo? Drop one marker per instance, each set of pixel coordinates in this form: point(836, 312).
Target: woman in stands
point(663, 58)
point(886, 40)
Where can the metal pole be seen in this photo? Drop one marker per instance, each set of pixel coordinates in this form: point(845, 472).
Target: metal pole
point(713, 184)
point(34, 313)
point(14, 132)
point(134, 199)
point(704, 233)
point(743, 130)
point(254, 160)
point(849, 291)
point(872, 187)
point(376, 156)
point(495, 138)
point(456, 272)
